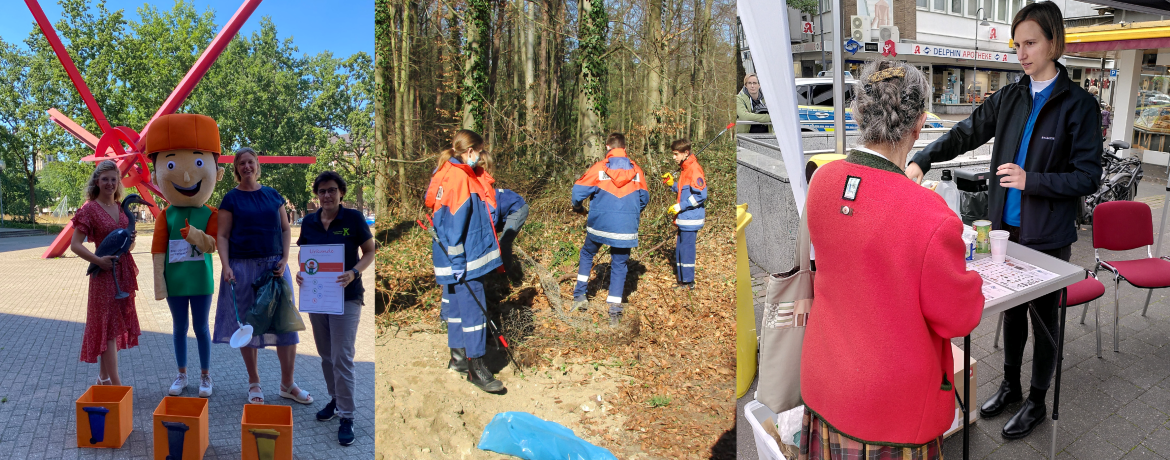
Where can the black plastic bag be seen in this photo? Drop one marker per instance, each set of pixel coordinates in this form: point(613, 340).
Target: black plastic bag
point(260, 313)
point(973, 206)
point(274, 308)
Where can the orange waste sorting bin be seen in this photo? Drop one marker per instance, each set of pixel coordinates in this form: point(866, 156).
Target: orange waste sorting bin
point(105, 416)
point(186, 424)
point(266, 432)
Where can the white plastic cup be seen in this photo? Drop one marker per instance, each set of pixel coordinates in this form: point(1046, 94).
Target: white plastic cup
point(999, 240)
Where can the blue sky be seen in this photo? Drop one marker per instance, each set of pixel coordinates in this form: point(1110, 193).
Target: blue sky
point(343, 27)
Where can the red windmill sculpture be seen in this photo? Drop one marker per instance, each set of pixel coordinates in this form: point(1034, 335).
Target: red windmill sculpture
point(123, 144)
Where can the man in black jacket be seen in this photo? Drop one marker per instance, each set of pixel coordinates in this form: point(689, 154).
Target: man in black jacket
point(1050, 127)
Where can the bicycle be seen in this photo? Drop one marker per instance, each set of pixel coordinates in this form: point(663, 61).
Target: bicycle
point(1119, 181)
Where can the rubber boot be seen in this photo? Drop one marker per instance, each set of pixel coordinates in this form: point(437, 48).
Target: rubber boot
point(175, 433)
point(580, 304)
point(97, 423)
point(265, 443)
point(458, 362)
point(482, 377)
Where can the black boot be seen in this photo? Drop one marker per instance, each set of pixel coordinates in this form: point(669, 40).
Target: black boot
point(482, 377)
point(1007, 394)
point(1030, 415)
point(458, 362)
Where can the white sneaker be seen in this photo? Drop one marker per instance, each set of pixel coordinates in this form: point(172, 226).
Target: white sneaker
point(204, 386)
point(179, 385)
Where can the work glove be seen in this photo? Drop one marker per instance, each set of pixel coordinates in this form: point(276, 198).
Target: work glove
point(668, 179)
point(577, 208)
point(458, 275)
point(674, 209)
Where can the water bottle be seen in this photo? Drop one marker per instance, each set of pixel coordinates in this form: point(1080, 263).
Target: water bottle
point(950, 192)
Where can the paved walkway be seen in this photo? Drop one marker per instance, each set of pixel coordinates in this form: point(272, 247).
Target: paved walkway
point(42, 316)
point(1114, 407)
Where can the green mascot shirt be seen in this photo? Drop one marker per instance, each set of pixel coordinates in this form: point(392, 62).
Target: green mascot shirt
point(188, 270)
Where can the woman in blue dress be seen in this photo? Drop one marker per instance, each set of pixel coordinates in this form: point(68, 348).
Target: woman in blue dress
point(254, 236)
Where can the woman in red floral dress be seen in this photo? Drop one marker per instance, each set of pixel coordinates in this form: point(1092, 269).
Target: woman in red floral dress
point(110, 325)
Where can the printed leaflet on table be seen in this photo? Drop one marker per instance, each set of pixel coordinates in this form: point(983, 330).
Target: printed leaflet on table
point(1010, 276)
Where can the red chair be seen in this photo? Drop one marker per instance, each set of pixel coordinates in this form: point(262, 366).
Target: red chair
point(1121, 226)
point(1082, 292)
point(1086, 291)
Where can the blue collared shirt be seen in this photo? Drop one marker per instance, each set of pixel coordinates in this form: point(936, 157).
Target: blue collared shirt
point(1011, 207)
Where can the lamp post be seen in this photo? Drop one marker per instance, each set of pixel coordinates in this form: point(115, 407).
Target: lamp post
point(981, 21)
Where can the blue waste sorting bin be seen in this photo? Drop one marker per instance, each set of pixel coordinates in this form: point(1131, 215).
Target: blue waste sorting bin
point(176, 433)
point(97, 423)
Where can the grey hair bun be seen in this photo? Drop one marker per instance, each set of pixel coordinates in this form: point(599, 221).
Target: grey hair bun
point(887, 108)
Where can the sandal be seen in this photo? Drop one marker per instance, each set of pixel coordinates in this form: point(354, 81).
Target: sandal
point(300, 396)
point(255, 395)
point(109, 381)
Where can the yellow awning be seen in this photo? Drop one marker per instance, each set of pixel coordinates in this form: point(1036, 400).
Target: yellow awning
point(1115, 32)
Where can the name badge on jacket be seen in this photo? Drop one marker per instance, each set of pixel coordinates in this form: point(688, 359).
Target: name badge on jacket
point(182, 251)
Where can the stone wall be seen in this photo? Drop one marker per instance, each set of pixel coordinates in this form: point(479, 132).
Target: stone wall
point(763, 184)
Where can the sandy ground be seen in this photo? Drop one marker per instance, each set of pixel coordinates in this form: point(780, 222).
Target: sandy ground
point(425, 411)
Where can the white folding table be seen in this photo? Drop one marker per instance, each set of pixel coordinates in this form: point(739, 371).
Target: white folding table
point(1067, 274)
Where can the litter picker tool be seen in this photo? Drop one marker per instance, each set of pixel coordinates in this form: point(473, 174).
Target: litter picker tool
point(243, 335)
point(729, 126)
point(491, 324)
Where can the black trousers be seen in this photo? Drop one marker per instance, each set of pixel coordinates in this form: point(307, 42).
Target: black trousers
point(1015, 329)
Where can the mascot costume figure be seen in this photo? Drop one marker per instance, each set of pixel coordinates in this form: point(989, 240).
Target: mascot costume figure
point(184, 150)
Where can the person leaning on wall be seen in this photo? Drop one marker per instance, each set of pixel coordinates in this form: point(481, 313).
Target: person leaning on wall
point(750, 106)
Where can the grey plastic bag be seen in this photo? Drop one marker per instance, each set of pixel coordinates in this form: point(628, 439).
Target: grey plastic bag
point(787, 305)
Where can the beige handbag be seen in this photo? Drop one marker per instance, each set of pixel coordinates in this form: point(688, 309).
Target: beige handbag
point(786, 308)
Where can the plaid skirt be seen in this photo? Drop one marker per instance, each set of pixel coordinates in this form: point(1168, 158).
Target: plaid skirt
point(819, 441)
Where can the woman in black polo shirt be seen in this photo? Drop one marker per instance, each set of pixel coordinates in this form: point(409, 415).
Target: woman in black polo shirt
point(335, 334)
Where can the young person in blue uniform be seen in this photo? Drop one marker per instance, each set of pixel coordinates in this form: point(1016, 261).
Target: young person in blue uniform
point(690, 210)
point(617, 194)
point(465, 249)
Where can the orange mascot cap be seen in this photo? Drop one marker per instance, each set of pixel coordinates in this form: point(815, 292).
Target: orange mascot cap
point(183, 131)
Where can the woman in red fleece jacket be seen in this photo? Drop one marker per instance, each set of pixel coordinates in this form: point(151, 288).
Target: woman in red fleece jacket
point(891, 289)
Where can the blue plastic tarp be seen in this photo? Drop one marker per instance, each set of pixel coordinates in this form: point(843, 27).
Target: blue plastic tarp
point(524, 435)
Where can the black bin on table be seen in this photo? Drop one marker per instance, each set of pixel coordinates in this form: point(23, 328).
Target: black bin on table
point(972, 185)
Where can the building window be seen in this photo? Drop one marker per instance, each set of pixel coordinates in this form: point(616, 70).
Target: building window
point(1001, 12)
point(1016, 8)
point(923, 4)
point(957, 6)
point(940, 5)
point(826, 6)
point(972, 7)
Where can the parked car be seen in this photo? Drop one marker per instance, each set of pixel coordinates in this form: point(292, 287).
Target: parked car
point(1151, 99)
point(815, 100)
point(823, 73)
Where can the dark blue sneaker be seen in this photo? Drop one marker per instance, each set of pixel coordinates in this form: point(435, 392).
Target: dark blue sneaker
point(330, 411)
point(345, 433)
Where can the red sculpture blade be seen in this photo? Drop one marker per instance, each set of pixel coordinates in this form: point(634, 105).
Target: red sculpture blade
point(112, 143)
